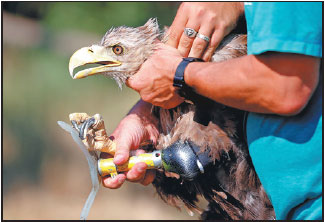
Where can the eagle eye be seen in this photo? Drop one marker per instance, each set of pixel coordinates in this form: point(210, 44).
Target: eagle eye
point(117, 49)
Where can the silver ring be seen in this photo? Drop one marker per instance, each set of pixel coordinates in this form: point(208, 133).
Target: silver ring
point(191, 33)
point(205, 38)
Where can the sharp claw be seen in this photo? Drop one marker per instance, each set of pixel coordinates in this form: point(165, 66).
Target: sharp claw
point(85, 126)
point(82, 130)
point(75, 125)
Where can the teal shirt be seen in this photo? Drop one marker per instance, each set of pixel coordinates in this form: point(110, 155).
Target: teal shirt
point(287, 151)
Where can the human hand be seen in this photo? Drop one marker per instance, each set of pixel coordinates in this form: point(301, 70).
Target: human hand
point(137, 127)
point(212, 19)
point(154, 80)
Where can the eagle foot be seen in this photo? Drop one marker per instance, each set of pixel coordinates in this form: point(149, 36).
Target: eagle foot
point(92, 132)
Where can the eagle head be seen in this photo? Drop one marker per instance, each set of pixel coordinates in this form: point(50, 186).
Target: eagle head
point(120, 53)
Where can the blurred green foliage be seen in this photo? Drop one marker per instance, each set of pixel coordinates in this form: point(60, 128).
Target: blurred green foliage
point(95, 16)
point(99, 16)
point(45, 176)
point(38, 91)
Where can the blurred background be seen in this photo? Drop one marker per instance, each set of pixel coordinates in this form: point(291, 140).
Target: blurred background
point(45, 175)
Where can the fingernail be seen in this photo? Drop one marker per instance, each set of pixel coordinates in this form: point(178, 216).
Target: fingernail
point(118, 158)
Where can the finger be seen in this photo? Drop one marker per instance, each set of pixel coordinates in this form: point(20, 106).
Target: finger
point(122, 149)
point(149, 177)
point(172, 103)
point(214, 43)
point(114, 183)
point(185, 43)
point(139, 151)
point(137, 172)
point(132, 83)
point(121, 155)
point(123, 146)
point(199, 44)
point(176, 29)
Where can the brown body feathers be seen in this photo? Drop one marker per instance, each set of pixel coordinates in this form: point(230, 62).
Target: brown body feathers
point(230, 183)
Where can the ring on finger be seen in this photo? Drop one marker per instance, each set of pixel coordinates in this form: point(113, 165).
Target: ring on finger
point(189, 32)
point(205, 38)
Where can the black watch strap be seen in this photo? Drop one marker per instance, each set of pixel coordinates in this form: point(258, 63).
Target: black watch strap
point(179, 81)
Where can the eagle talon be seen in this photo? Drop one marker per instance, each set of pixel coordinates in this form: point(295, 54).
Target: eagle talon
point(75, 125)
point(85, 126)
point(92, 132)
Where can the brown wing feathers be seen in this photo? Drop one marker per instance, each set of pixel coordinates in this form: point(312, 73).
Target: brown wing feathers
point(230, 185)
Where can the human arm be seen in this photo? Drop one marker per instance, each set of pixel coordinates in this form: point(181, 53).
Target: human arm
point(212, 19)
point(138, 126)
point(272, 82)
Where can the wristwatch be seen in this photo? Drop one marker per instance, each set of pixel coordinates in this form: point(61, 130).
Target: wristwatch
point(179, 81)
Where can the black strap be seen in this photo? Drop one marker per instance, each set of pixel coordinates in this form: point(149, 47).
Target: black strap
point(179, 81)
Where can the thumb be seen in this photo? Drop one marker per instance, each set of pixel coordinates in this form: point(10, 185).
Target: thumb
point(122, 152)
point(128, 135)
point(135, 82)
point(131, 83)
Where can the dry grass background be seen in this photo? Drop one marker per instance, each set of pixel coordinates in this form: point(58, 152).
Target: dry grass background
point(64, 189)
point(45, 175)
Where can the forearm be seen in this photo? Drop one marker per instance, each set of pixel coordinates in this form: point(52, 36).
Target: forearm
point(273, 83)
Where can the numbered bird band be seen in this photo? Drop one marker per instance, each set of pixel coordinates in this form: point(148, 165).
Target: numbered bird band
point(107, 166)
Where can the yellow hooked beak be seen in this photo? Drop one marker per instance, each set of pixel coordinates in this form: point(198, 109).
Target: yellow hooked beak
point(91, 55)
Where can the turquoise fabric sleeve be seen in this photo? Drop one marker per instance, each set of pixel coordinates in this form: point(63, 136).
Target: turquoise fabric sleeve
point(294, 27)
point(287, 151)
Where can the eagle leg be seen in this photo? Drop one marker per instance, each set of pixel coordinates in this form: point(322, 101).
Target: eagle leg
point(92, 132)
